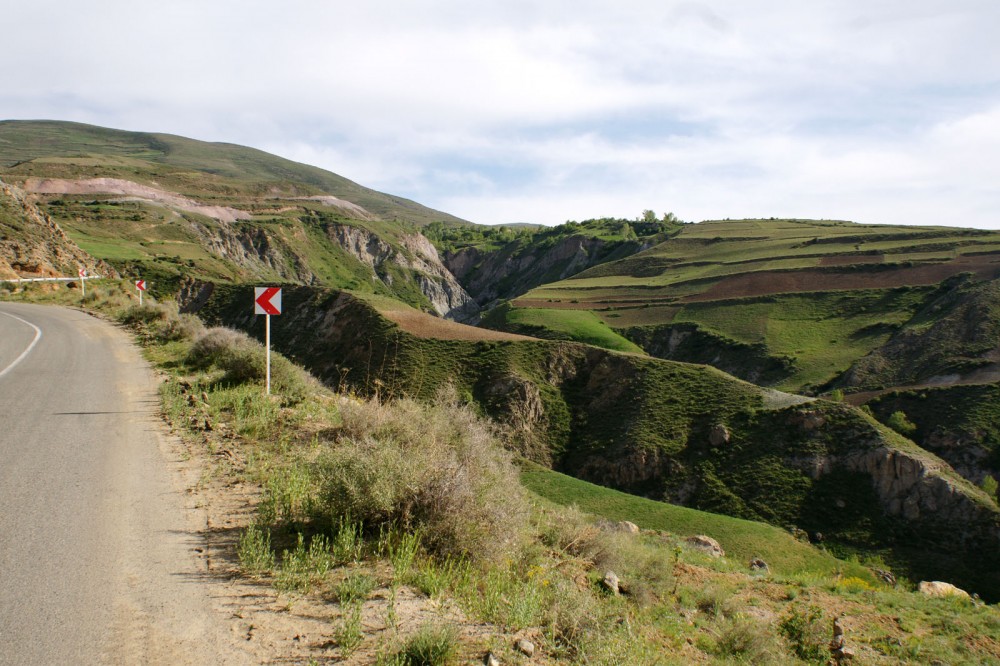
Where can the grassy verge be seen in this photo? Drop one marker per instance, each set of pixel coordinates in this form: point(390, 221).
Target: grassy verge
point(365, 506)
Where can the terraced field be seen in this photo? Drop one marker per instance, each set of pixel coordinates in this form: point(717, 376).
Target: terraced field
point(818, 294)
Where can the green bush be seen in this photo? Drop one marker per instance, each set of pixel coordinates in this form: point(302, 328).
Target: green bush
point(435, 468)
point(429, 646)
point(898, 422)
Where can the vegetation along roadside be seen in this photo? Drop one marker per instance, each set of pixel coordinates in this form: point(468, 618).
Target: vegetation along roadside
point(404, 532)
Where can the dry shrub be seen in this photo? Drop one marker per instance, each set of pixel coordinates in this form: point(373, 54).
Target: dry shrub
point(142, 314)
point(437, 468)
point(244, 360)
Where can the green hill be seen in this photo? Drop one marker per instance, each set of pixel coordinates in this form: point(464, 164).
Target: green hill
point(791, 303)
point(167, 208)
point(687, 434)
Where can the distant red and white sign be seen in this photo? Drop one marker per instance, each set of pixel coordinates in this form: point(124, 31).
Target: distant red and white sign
point(140, 285)
point(83, 272)
point(267, 300)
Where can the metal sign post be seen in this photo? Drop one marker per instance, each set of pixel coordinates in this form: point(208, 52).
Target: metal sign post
point(140, 286)
point(267, 301)
point(83, 282)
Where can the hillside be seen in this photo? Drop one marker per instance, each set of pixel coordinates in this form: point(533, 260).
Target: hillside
point(164, 207)
point(33, 245)
point(670, 431)
point(603, 368)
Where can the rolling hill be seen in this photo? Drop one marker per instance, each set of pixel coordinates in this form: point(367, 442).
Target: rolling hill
point(640, 355)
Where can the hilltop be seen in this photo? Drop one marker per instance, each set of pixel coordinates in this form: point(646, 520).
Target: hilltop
point(169, 208)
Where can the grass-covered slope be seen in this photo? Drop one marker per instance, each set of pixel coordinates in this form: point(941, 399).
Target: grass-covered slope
point(809, 297)
point(166, 208)
point(669, 431)
point(226, 172)
point(397, 532)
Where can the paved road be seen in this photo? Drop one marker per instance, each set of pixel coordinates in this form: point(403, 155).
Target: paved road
point(97, 559)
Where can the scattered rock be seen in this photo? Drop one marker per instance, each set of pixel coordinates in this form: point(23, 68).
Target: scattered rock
point(204, 397)
point(611, 583)
point(799, 533)
point(706, 544)
point(936, 588)
point(885, 576)
point(757, 564)
point(719, 435)
point(490, 660)
point(191, 400)
point(840, 504)
point(525, 647)
point(838, 645)
point(618, 526)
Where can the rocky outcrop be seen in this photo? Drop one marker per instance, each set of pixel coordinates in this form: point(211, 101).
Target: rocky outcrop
point(33, 245)
point(253, 249)
point(416, 255)
point(518, 268)
point(913, 487)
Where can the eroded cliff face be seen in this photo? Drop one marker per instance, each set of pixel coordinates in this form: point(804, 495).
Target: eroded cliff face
point(256, 251)
point(514, 270)
point(33, 245)
point(416, 255)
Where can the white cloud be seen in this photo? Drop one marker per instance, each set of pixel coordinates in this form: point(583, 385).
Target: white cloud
point(527, 111)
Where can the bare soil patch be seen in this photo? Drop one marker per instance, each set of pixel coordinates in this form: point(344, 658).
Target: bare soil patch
point(764, 283)
point(851, 259)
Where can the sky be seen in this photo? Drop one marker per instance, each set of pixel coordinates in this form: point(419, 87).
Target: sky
point(875, 111)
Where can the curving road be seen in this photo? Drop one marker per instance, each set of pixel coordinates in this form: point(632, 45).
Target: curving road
point(97, 552)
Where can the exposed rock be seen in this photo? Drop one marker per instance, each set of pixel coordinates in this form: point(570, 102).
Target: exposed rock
point(490, 660)
point(936, 588)
point(838, 644)
point(618, 526)
point(809, 420)
point(885, 576)
point(759, 565)
point(611, 583)
point(193, 295)
point(514, 270)
point(525, 647)
point(719, 435)
point(33, 245)
point(705, 544)
point(417, 254)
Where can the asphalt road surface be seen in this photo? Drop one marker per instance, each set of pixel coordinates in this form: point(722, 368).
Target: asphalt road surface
point(97, 552)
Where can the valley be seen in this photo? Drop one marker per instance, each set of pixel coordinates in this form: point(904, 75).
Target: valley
point(835, 383)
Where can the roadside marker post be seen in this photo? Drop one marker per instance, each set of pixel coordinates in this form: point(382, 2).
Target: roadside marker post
point(140, 286)
point(83, 281)
point(267, 301)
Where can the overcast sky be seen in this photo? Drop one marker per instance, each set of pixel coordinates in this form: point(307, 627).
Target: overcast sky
point(877, 111)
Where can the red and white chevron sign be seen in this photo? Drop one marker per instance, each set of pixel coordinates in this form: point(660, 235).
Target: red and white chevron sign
point(140, 285)
point(82, 272)
point(267, 300)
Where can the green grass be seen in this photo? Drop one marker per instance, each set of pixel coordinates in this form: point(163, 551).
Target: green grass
point(741, 539)
point(575, 325)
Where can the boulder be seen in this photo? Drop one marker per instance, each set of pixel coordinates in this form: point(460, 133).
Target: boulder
point(705, 544)
point(936, 588)
point(611, 583)
point(525, 647)
point(719, 435)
